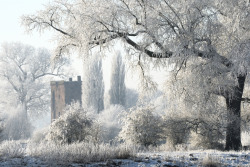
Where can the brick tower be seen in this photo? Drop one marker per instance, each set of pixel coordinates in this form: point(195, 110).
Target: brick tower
point(63, 93)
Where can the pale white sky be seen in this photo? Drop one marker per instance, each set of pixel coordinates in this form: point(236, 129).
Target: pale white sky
point(11, 29)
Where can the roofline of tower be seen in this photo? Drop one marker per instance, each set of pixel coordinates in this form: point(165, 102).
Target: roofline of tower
point(56, 82)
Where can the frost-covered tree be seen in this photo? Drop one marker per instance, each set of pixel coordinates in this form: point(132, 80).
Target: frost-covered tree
point(23, 85)
point(117, 92)
point(212, 34)
point(93, 85)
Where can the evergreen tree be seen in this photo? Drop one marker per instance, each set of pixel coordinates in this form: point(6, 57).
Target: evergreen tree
point(117, 92)
point(93, 85)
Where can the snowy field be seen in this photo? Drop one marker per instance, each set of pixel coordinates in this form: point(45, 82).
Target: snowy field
point(156, 159)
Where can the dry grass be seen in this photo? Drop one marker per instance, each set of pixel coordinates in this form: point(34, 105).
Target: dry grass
point(79, 152)
point(12, 149)
point(67, 153)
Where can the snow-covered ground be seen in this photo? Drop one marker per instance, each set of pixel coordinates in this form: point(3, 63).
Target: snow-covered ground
point(183, 159)
point(156, 159)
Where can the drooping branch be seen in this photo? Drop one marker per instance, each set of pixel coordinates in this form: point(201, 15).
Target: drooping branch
point(169, 54)
point(245, 100)
point(214, 55)
point(146, 51)
point(175, 13)
point(45, 74)
point(63, 47)
point(11, 82)
point(37, 21)
point(103, 41)
point(131, 13)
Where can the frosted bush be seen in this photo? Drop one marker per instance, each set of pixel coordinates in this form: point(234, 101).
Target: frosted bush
point(209, 130)
point(12, 149)
point(16, 127)
point(74, 126)
point(39, 135)
point(110, 120)
point(177, 131)
point(142, 127)
point(205, 141)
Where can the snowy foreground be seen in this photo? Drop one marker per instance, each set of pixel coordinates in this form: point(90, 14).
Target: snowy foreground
point(156, 159)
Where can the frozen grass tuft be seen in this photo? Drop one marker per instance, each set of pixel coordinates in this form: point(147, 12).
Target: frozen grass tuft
point(79, 152)
point(211, 161)
point(12, 149)
point(245, 138)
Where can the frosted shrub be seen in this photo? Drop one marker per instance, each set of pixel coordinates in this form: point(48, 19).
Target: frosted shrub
point(74, 126)
point(205, 139)
point(16, 127)
point(39, 135)
point(110, 120)
point(12, 149)
point(177, 131)
point(202, 129)
point(209, 131)
point(141, 127)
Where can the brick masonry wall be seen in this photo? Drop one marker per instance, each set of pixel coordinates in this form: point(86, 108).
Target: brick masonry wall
point(64, 93)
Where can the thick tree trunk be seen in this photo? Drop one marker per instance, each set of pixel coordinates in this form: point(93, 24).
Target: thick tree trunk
point(233, 133)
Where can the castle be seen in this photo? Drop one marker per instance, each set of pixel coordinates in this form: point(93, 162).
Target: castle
point(64, 93)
